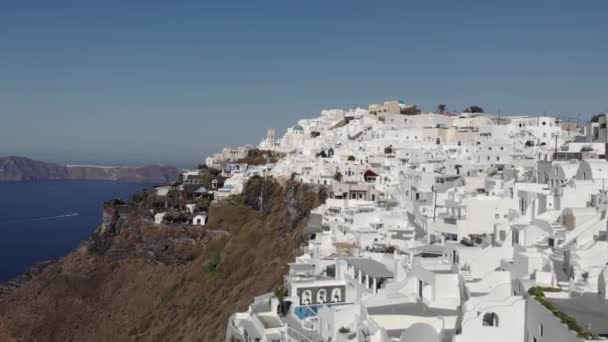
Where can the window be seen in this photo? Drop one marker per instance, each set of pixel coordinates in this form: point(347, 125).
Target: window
point(321, 296)
point(541, 330)
point(490, 319)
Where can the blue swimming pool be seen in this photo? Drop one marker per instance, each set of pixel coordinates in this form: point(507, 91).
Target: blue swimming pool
point(303, 312)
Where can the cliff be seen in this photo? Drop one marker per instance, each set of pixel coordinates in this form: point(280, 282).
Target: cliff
point(23, 169)
point(20, 169)
point(136, 281)
point(4, 335)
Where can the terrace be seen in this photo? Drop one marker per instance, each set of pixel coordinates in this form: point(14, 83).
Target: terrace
point(586, 314)
point(587, 310)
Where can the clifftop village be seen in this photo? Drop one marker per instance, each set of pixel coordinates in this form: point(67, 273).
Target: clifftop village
point(460, 227)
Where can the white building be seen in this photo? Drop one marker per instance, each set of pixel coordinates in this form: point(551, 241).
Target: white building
point(435, 229)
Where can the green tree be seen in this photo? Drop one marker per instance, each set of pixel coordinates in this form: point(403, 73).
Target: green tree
point(280, 293)
point(596, 117)
point(474, 109)
point(410, 110)
point(338, 176)
point(441, 108)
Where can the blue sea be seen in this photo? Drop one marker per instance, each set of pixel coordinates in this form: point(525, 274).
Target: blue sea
point(47, 219)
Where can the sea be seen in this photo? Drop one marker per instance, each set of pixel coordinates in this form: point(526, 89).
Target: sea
point(43, 220)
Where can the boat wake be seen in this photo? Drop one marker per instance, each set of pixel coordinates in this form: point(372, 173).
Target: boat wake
point(38, 219)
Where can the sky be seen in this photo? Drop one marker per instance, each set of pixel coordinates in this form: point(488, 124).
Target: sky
point(132, 82)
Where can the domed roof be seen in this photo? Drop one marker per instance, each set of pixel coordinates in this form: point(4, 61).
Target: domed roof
point(297, 127)
point(420, 332)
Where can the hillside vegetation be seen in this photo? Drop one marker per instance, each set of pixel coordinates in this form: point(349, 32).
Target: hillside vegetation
point(260, 157)
point(135, 281)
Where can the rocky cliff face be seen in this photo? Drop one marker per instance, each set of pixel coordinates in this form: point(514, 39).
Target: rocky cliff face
point(24, 169)
point(4, 335)
point(136, 281)
point(140, 174)
point(20, 169)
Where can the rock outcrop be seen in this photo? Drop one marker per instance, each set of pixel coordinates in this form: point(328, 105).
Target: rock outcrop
point(137, 281)
point(4, 335)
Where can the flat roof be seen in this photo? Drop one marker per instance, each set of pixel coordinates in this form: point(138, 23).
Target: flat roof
point(588, 309)
point(370, 267)
point(270, 322)
point(251, 330)
point(434, 249)
point(413, 309)
point(261, 306)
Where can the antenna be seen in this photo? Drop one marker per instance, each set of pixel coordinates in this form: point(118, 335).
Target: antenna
point(555, 153)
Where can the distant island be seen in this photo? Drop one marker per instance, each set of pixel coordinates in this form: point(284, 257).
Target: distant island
point(16, 169)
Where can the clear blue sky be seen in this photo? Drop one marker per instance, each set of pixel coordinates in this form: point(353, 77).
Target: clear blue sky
point(171, 81)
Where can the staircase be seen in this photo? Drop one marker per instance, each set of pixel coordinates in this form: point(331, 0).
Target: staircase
point(580, 286)
point(466, 274)
point(558, 253)
point(563, 285)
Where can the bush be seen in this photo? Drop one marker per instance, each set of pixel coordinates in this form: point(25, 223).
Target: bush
point(539, 294)
point(343, 330)
point(260, 157)
point(280, 293)
point(338, 176)
point(474, 109)
point(213, 265)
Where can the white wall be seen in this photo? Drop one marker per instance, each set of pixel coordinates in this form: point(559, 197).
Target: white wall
point(552, 328)
point(511, 320)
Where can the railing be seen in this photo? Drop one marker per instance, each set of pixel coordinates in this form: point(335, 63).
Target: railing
point(450, 220)
point(505, 302)
point(571, 238)
point(235, 331)
point(291, 331)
